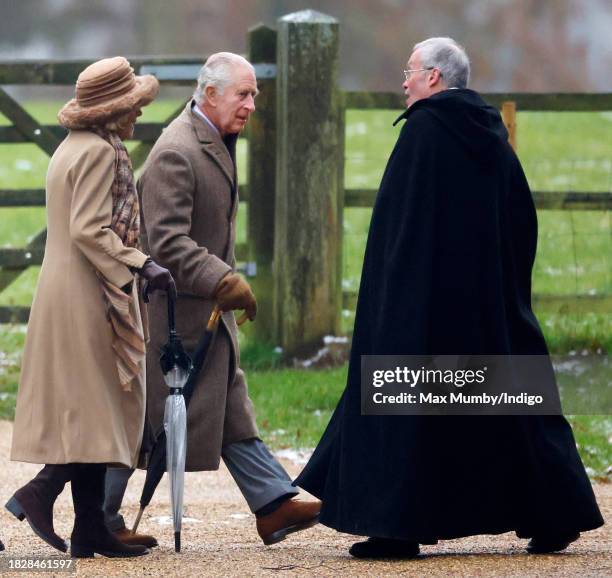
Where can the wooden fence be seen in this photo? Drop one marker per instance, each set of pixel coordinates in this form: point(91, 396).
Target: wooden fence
point(295, 188)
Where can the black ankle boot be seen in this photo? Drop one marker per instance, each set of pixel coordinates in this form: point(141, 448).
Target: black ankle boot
point(90, 535)
point(550, 543)
point(34, 502)
point(1, 546)
point(384, 548)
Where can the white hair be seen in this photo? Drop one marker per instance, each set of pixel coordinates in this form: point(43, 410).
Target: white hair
point(218, 72)
point(447, 56)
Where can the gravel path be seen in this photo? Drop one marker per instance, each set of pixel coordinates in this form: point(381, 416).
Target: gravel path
point(219, 539)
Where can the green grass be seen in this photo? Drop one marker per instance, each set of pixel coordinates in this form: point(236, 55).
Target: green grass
point(593, 435)
point(560, 151)
point(11, 346)
point(294, 405)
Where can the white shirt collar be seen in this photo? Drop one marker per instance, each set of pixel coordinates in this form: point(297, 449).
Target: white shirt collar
point(199, 112)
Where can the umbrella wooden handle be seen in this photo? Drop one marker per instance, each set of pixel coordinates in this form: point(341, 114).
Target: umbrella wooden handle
point(215, 316)
point(242, 319)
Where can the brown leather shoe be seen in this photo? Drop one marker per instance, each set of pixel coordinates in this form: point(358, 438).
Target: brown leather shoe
point(124, 535)
point(291, 516)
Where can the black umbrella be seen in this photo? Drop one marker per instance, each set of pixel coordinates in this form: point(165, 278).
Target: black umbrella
point(172, 356)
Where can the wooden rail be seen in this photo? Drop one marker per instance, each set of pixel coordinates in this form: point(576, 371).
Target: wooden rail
point(542, 303)
point(51, 72)
point(146, 131)
point(544, 200)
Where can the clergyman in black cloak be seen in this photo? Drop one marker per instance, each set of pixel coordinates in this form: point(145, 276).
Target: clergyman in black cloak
point(447, 270)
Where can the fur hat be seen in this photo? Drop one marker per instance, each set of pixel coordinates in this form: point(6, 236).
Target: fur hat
point(106, 89)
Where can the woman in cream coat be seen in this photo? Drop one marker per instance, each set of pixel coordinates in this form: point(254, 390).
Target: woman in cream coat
point(81, 400)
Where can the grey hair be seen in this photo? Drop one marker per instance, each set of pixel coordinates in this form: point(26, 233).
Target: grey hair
point(217, 72)
point(449, 57)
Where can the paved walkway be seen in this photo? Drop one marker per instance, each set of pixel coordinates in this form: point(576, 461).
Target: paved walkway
point(219, 539)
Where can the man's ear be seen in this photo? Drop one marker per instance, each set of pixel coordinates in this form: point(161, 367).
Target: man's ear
point(211, 95)
point(434, 77)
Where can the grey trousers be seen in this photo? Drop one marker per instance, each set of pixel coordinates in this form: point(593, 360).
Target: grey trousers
point(115, 486)
point(257, 473)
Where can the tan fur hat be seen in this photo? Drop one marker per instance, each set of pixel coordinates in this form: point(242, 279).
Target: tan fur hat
point(106, 89)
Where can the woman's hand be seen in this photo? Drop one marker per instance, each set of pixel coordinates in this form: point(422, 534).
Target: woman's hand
point(158, 279)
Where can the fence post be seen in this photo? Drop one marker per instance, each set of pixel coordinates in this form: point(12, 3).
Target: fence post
point(308, 186)
point(509, 117)
point(262, 179)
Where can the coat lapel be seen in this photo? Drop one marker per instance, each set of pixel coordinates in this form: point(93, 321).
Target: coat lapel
point(230, 144)
point(213, 146)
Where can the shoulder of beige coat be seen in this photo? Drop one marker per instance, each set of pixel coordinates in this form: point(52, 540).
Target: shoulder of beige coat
point(88, 139)
point(83, 145)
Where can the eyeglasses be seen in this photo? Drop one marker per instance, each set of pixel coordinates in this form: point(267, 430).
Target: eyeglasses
point(407, 73)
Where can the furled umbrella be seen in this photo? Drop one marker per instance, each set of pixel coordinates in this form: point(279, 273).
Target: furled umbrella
point(175, 428)
point(175, 365)
point(176, 405)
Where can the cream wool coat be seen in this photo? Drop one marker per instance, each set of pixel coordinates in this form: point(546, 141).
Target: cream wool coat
point(189, 200)
point(71, 406)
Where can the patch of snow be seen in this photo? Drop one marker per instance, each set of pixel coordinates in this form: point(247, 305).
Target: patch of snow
point(309, 16)
point(572, 366)
point(335, 339)
point(299, 457)
point(357, 128)
point(23, 165)
point(240, 516)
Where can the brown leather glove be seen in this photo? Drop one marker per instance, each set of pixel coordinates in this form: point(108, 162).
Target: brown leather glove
point(233, 292)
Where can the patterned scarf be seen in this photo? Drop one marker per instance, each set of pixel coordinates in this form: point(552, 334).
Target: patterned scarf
point(128, 338)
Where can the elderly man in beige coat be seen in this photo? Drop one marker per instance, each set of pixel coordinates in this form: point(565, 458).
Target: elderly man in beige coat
point(189, 197)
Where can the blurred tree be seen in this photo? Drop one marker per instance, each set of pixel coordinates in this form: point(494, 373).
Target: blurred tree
point(159, 26)
point(21, 19)
point(552, 45)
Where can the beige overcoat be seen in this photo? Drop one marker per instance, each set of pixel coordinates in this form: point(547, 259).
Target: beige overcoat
point(189, 200)
point(70, 405)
